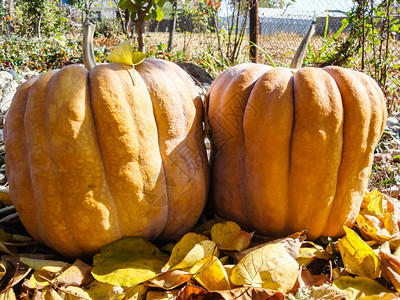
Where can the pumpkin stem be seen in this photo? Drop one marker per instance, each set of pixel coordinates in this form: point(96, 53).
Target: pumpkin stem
point(302, 50)
point(88, 55)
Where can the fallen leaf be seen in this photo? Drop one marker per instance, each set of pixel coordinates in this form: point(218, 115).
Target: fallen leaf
point(122, 54)
point(161, 295)
point(356, 287)
point(52, 266)
point(306, 279)
point(205, 228)
point(210, 273)
point(171, 279)
point(357, 256)
point(269, 267)
point(128, 262)
point(8, 294)
point(323, 292)
point(77, 274)
point(191, 292)
point(309, 251)
point(373, 202)
point(137, 57)
point(391, 268)
point(136, 293)
point(189, 250)
point(291, 243)
point(95, 291)
point(229, 236)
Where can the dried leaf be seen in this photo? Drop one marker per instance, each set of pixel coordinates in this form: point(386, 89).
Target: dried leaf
point(161, 295)
point(8, 295)
point(306, 279)
point(245, 293)
point(128, 262)
point(189, 250)
point(229, 236)
point(323, 292)
point(77, 274)
point(391, 268)
point(357, 256)
point(136, 293)
point(269, 267)
point(210, 273)
point(309, 251)
point(356, 287)
point(95, 291)
point(52, 266)
point(171, 279)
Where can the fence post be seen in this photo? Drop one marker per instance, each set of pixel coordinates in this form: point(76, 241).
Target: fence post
point(254, 29)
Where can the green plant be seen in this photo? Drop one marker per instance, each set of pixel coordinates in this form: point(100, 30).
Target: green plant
point(369, 45)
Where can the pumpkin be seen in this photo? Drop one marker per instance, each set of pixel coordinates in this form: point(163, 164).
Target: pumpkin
point(292, 150)
point(96, 156)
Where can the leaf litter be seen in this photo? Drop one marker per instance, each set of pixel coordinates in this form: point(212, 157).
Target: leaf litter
point(218, 260)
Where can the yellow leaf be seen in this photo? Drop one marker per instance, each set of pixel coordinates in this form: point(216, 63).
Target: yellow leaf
point(52, 266)
point(161, 295)
point(210, 273)
point(374, 202)
point(128, 262)
point(357, 287)
point(357, 256)
point(269, 267)
point(184, 251)
point(136, 293)
point(137, 57)
point(122, 54)
point(229, 236)
point(38, 279)
point(171, 279)
point(95, 291)
point(309, 251)
point(8, 295)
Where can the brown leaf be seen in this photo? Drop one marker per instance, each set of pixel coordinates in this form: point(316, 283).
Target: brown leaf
point(291, 243)
point(391, 268)
point(77, 274)
point(306, 279)
point(170, 279)
point(191, 292)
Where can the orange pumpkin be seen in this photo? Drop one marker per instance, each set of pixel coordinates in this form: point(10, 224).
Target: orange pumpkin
point(96, 156)
point(292, 150)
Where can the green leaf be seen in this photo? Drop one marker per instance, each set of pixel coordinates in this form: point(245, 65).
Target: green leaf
point(128, 262)
point(159, 14)
point(126, 4)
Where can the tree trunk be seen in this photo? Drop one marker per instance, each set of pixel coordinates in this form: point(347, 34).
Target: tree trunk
point(172, 25)
point(254, 30)
point(139, 24)
point(11, 8)
point(37, 26)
